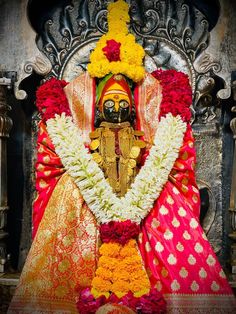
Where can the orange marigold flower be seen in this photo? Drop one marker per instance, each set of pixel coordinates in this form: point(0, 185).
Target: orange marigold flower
point(101, 285)
point(131, 243)
point(104, 273)
point(129, 268)
point(137, 274)
point(140, 284)
point(132, 260)
point(108, 262)
point(110, 249)
point(128, 251)
point(120, 286)
point(121, 275)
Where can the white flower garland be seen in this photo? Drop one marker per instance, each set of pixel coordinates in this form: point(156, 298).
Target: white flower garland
point(96, 191)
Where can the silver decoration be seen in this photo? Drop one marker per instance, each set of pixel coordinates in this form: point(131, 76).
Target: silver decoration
point(205, 62)
point(79, 25)
point(40, 65)
point(165, 30)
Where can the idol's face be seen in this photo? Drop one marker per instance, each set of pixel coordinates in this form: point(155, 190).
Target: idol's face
point(116, 107)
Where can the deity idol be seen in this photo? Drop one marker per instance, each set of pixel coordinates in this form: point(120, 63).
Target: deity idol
point(116, 218)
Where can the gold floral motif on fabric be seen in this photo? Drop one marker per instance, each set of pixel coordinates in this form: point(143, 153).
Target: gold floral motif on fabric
point(68, 236)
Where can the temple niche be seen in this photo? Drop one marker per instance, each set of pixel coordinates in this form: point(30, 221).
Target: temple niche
point(43, 39)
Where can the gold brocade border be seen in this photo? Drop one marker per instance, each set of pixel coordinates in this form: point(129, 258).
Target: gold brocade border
point(62, 257)
point(148, 107)
point(176, 304)
point(200, 304)
point(81, 97)
point(37, 305)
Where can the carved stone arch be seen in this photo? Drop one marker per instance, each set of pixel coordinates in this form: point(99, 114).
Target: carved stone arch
point(175, 34)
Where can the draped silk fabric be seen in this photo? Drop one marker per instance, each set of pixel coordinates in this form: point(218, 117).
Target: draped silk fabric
point(177, 256)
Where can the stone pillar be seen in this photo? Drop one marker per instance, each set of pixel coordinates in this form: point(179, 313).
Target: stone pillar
point(232, 207)
point(5, 127)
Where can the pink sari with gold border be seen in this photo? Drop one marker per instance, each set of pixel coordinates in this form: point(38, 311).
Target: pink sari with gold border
point(177, 256)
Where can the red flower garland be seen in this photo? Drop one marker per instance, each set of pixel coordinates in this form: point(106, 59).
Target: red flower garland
point(176, 93)
point(119, 231)
point(51, 99)
point(151, 303)
point(87, 304)
point(112, 50)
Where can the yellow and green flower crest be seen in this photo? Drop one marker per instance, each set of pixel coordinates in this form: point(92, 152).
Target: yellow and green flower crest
point(131, 54)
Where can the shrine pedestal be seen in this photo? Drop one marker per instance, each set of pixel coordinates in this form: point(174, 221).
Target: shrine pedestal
point(8, 283)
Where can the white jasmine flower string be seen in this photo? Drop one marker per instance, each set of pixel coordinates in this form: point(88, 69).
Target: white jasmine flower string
point(89, 178)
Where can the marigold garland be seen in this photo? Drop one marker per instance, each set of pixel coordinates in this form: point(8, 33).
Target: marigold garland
point(118, 279)
point(131, 54)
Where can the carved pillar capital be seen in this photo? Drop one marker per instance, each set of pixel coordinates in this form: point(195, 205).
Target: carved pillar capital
point(5, 121)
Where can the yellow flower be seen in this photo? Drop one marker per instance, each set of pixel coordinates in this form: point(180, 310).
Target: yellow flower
point(131, 243)
point(110, 249)
point(141, 292)
point(97, 294)
point(127, 251)
point(101, 285)
point(108, 263)
point(120, 270)
point(121, 275)
point(129, 268)
point(137, 274)
point(131, 53)
point(104, 273)
point(139, 284)
point(132, 260)
point(120, 288)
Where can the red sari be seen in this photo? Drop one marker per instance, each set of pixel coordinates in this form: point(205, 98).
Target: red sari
point(177, 256)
